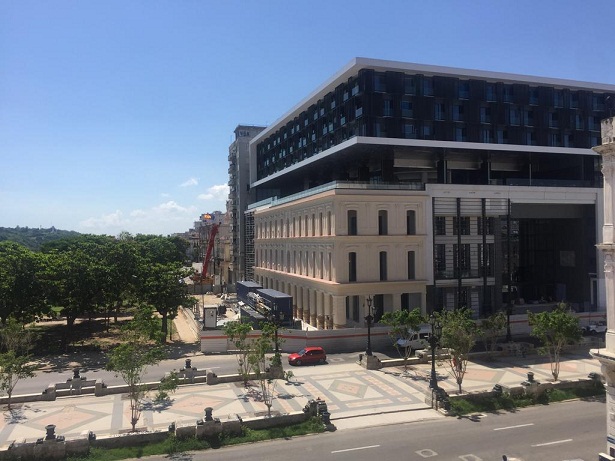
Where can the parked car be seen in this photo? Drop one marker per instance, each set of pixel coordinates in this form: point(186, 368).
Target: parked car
point(596, 328)
point(416, 340)
point(307, 355)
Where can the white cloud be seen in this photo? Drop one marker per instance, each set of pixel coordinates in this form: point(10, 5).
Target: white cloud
point(219, 192)
point(190, 182)
point(166, 218)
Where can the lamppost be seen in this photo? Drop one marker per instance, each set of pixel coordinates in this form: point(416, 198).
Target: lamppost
point(434, 339)
point(276, 321)
point(369, 318)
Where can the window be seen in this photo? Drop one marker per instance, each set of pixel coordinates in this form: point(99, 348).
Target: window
point(355, 309)
point(528, 117)
point(380, 129)
point(515, 118)
point(502, 136)
point(440, 225)
point(352, 267)
point(380, 83)
point(355, 89)
point(507, 93)
point(568, 140)
point(490, 92)
point(427, 130)
point(382, 222)
point(461, 134)
point(411, 265)
point(439, 111)
point(387, 109)
point(409, 85)
point(461, 225)
point(489, 228)
point(485, 114)
point(533, 96)
point(409, 131)
point(382, 257)
point(463, 259)
point(486, 255)
point(530, 138)
point(574, 100)
point(577, 121)
point(406, 108)
point(553, 119)
point(352, 222)
point(464, 90)
point(427, 86)
point(554, 140)
point(358, 111)
point(558, 98)
point(486, 135)
point(598, 102)
point(410, 222)
point(458, 112)
point(440, 262)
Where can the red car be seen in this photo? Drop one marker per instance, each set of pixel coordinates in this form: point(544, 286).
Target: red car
point(308, 355)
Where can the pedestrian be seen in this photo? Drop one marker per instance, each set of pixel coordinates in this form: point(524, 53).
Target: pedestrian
point(504, 458)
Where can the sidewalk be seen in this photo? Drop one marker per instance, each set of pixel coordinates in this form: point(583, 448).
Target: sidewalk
point(355, 397)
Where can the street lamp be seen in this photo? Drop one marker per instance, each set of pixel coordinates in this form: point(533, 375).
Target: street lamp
point(434, 339)
point(276, 319)
point(369, 318)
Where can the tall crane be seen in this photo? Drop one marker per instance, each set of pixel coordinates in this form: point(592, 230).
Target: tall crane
point(210, 246)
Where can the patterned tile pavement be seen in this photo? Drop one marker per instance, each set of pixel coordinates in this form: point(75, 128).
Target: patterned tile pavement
point(349, 390)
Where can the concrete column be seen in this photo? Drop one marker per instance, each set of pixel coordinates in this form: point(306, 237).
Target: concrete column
point(607, 357)
point(338, 310)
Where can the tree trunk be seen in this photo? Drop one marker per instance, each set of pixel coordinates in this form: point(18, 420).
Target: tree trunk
point(165, 328)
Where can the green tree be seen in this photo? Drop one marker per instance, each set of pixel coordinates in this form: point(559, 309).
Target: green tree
point(22, 286)
point(15, 359)
point(141, 348)
point(459, 334)
point(492, 328)
point(261, 363)
point(237, 334)
point(163, 288)
point(404, 324)
point(555, 329)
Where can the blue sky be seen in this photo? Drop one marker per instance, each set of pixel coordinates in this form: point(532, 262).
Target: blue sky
point(117, 115)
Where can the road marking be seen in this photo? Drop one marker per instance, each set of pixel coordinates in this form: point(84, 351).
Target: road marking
point(354, 449)
point(470, 457)
point(512, 427)
point(551, 443)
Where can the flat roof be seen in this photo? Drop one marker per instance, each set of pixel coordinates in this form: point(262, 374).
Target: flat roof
point(356, 64)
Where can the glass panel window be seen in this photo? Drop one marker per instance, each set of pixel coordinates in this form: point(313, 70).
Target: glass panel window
point(507, 93)
point(528, 117)
point(440, 262)
point(380, 83)
point(530, 138)
point(383, 222)
point(553, 119)
point(486, 135)
point(383, 265)
point(574, 100)
point(409, 132)
point(406, 108)
point(352, 267)
point(502, 136)
point(490, 92)
point(514, 115)
point(409, 85)
point(464, 90)
point(568, 140)
point(533, 96)
point(461, 225)
point(485, 114)
point(410, 222)
point(387, 109)
point(352, 222)
point(439, 111)
point(427, 86)
point(458, 112)
point(411, 266)
point(427, 130)
point(461, 134)
point(440, 225)
point(554, 139)
point(558, 98)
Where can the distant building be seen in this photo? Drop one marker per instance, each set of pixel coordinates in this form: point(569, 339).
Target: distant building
point(429, 187)
point(238, 199)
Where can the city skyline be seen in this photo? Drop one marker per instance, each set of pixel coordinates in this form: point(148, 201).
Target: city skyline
point(118, 116)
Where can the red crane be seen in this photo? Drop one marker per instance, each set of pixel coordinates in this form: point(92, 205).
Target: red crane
point(210, 247)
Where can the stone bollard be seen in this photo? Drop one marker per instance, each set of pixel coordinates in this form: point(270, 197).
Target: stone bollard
point(208, 414)
point(76, 373)
point(51, 429)
point(188, 364)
